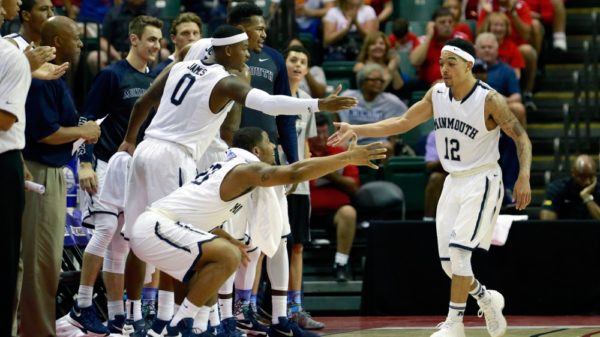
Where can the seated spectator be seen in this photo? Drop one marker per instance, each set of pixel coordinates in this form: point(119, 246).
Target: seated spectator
point(344, 27)
point(332, 194)
point(455, 8)
point(185, 29)
point(523, 31)
point(500, 75)
point(426, 56)
point(401, 39)
point(114, 42)
point(309, 14)
point(508, 52)
point(437, 176)
point(575, 196)
point(314, 83)
point(551, 13)
point(373, 104)
point(376, 50)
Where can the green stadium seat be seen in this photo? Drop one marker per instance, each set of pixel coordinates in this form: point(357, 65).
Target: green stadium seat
point(405, 66)
point(169, 8)
point(388, 27)
point(338, 69)
point(416, 9)
point(418, 28)
point(410, 175)
point(332, 83)
point(414, 137)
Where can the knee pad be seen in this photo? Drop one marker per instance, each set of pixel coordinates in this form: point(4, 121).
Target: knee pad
point(447, 267)
point(105, 227)
point(116, 255)
point(460, 261)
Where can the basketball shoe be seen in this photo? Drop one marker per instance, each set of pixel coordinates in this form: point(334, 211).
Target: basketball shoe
point(450, 329)
point(491, 307)
point(87, 320)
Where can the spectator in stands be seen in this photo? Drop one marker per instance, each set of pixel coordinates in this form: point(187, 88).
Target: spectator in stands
point(344, 27)
point(332, 194)
point(426, 56)
point(114, 42)
point(401, 39)
point(437, 176)
point(500, 75)
point(455, 8)
point(32, 14)
point(51, 129)
point(508, 52)
point(523, 31)
point(373, 104)
point(314, 83)
point(575, 196)
point(309, 14)
point(185, 29)
point(551, 13)
point(376, 50)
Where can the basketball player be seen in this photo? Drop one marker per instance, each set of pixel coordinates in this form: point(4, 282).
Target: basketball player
point(112, 96)
point(195, 99)
point(467, 115)
point(173, 233)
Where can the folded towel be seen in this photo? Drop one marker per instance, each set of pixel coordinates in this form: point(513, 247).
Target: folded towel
point(502, 227)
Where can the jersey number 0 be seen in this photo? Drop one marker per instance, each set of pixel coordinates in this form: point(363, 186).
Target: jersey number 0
point(177, 96)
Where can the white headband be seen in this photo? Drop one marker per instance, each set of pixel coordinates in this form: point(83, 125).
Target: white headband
point(463, 54)
point(226, 41)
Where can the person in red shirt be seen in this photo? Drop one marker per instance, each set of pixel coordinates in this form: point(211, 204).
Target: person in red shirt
point(508, 52)
point(332, 194)
point(401, 38)
point(551, 13)
point(455, 8)
point(522, 31)
point(426, 55)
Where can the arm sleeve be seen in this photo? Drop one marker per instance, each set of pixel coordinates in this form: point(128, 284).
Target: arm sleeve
point(41, 110)
point(104, 87)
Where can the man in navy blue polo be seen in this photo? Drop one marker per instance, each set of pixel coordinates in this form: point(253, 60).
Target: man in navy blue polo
point(51, 129)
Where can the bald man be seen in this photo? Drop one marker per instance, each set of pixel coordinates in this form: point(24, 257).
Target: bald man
point(52, 127)
point(575, 196)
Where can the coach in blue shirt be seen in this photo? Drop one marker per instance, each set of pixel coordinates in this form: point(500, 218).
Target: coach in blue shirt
point(50, 130)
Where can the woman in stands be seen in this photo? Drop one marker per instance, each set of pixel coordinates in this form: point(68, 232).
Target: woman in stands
point(376, 49)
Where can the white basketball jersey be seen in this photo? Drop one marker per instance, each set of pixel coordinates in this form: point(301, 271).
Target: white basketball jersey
point(199, 203)
point(201, 50)
point(184, 116)
point(462, 140)
point(19, 39)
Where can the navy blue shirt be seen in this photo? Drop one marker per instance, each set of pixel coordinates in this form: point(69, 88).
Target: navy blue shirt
point(160, 67)
point(269, 73)
point(562, 197)
point(113, 94)
point(49, 106)
point(503, 79)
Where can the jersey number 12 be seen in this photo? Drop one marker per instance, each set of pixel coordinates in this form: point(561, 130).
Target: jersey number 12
point(452, 148)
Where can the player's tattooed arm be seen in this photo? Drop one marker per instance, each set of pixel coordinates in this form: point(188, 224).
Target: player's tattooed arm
point(499, 111)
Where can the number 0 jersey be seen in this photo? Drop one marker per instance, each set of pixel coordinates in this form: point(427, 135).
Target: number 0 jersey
point(462, 140)
point(184, 116)
point(199, 202)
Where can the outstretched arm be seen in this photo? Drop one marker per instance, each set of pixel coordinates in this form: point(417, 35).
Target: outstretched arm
point(496, 105)
point(141, 109)
point(417, 114)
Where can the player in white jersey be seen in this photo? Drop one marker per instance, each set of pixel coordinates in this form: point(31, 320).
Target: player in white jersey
point(467, 114)
point(172, 234)
point(194, 99)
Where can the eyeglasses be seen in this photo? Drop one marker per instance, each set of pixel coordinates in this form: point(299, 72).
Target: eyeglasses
point(380, 80)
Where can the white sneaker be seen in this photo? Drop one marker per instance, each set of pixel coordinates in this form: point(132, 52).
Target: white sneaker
point(450, 329)
point(491, 307)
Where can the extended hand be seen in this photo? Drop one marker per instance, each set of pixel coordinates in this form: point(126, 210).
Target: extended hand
point(342, 135)
point(87, 178)
point(38, 56)
point(50, 71)
point(337, 103)
point(364, 154)
point(588, 190)
point(522, 193)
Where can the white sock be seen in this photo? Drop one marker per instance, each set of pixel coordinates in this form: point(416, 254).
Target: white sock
point(279, 304)
point(341, 258)
point(479, 292)
point(134, 309)
point(186, 310)
point(166, 302)
point(225, 306)
point(456, 311)
point(214, 315)
point(84, 296)
point(114, 308)
point(201, 318)
point(559, 40)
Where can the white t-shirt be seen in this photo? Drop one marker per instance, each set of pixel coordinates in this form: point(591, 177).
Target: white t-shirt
point(15, 79)
point(335, 15)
